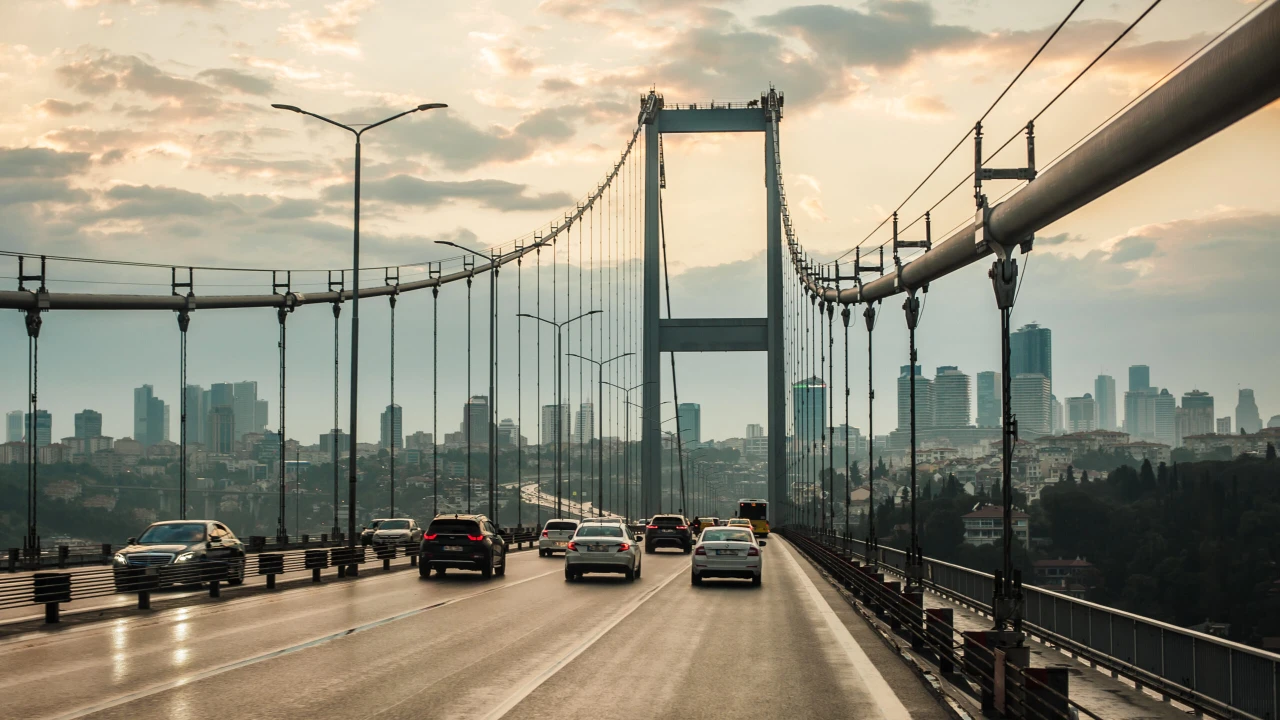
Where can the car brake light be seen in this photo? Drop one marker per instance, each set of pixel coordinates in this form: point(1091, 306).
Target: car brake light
point(753, 551)
point(573, 546)
point(682, 527)
point(432, 536)
point(475, 538)
point(651, 527)
point(544, 534)
point(623, 547)
point(700, 551)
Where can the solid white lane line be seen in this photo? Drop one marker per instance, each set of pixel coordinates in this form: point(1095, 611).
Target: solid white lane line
point(891, 707)
point(549, 671)
point(186, 679)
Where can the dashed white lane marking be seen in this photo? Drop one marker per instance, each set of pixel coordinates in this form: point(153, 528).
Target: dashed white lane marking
point(891, 708)
point(550, 670)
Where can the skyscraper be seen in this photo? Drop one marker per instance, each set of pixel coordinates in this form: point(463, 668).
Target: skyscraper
point(220, 395)
point(924, 400)
point(1104, 393)
point(197, 413)
point(88, 424)
point(508, 433)
point(245, 406)
point(1247, 417)
point(1166, 418)
point(690, 423)
point(475, 423)
point(1029, 401)
point(13, 426)
point(1139, 377)
point(809, 409)
point(1031, 351)
point(1056, 423)
point(222, 429)
point(1140, 413)
point(150, 417)
point(1082, 414)
point(584, 426)
point(554, 424)
point(392, 428)
point(261, 414)
point(989, 393)
point(951, 398)
point(44, 427)
point(1198, 407)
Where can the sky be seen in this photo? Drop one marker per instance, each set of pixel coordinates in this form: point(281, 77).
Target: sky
point(141, 130)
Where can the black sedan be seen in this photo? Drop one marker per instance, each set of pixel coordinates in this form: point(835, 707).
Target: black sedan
point(177, 552)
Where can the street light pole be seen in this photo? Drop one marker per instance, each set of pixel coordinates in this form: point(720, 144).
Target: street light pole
point(626, 459)
point(355, 296)
point(600, 415)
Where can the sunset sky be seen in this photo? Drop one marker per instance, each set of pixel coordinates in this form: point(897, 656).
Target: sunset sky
point(142, 130)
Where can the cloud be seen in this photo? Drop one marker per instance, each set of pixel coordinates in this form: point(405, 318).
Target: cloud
point(887, 35)
point(493, 194)
point(40, 190)
point(51, 107)
point(29, 162)
point(332, 33)
point(147, 201)
point(509, 61)
point(104, 72)
point(243, 82)
point(1130, 249)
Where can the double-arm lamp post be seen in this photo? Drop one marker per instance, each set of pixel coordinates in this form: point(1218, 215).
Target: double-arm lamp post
point(600, 416)
point(560, 423)
point(355, 292)
point(626, 448)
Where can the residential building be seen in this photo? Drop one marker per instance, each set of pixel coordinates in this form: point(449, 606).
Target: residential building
point(1139, 377)
point(924, 399)
point(756, 447)
point(1104, 394)
point(419, 441)
point(690, 423)
point(1145, 450)
point(555, 424)
point(1072, 577)
point(990, 391)
point(952, 401)
point(1223, 426)
point(1082, 414)
point(809, 410)
point(584, 425)
point(1247, 418)
point(1031, 352)
point(327, 441)
point(88, 424)
point(755, 430)
point(475, 423)
point(245, 407)
point(1029, 401)
point(985, 525)
point(392, 423)
point(1166, 422)
point(44, 427)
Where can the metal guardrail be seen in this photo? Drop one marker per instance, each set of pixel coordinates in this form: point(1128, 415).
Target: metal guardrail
point(1208, 673)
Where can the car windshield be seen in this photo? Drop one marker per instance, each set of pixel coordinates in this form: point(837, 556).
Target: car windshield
point(561, 525)
point(726, 536)
point(600, 531)
point(454, 527)
point(185, 533)
point(394, 525)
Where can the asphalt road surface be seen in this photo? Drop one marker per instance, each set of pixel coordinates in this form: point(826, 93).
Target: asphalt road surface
point(526, 646)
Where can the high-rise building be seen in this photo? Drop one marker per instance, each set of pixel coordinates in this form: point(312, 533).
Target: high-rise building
point(44, 427)
point(990, 390)
point(1166, 421)
point(1031, 351)
point(584, 425)
point(1198, 411)
point(755, 430)
point(1029, 401)
point(555, 424)
point(1104, 393)
point(88, 424)
point(1223, 426)
point(197, 413)
point(245, 406)
point(690, 423)
point(1140, 413)
point(475, 424)
point(150, 417)
point(13, 426)
point(924, 400)
point(1139, 377)
point(809, 409)
point(1056, 423)
point(508, 433)
point(222, 430)
point(951, 398)
point(220, 395)
point(392, 422)
point(327, 441)
point(1082, 414)
point(1247, 418)
point(261, 412)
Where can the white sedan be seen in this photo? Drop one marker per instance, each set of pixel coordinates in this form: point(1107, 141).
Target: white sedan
point(730, 552)
point(556, 535)
point(602, 548)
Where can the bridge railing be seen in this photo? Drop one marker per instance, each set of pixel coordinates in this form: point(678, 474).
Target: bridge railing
point(1208, 673)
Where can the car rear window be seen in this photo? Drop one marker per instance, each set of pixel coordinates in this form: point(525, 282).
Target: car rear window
point(671, 521)
point(726, 535)
point(455, 527)
point(561, 525)
point(600, 531)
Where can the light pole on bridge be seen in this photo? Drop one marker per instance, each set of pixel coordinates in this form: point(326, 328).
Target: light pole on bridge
point(600, 416)
point(355, 294)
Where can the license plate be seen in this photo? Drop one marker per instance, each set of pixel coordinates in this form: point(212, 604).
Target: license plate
point(453, 548)
point(668, 531)
point(598, 548)
point(726, 552)
point(562, 544)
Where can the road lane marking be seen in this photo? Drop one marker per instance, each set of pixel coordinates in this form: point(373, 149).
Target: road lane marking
point(194, 677)
point(548, 672)
point(890, 705)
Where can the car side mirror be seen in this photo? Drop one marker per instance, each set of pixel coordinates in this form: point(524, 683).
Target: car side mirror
point(133, 541)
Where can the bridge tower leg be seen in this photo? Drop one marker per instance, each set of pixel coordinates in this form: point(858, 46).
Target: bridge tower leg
point(651, 356)
point(777, 387)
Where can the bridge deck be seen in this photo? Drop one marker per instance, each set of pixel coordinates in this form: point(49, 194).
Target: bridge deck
point(529, 644)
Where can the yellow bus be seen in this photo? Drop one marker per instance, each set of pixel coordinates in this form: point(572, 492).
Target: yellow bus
point(757, 511)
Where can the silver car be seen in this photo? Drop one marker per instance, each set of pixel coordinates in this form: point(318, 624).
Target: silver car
point(731, 552)
point(602, 548)
point(556, 535)
point(397, 531)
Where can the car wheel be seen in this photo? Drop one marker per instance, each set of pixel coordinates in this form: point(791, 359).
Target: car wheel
point(568, 576)
point(630, 575)
point(688, 549)
point(695, 578)
point(756, 581)
point(487, 571)
point(542, 553)
point(648, 549)
point(233, 581)
point(424, 571)
point(502, 569)
point(639, 566)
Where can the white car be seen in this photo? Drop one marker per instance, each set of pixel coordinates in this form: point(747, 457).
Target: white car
point(602, 548)
point(731, 552)
point(556, 535)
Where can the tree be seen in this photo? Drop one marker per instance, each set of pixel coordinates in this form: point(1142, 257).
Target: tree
point(1271, 451)
point(1071, 474)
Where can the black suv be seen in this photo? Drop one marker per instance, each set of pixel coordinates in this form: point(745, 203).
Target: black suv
point(668, 531)
point(466, 542)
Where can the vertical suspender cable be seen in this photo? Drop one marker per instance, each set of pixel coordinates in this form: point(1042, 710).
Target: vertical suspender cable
point(675, 391)
point(435, 400)
point(871, 554)
point(542, 440)
point(829, 426)
point(333, 434)
point(519, 391)
point(184, 321)
point(848, 449)
point(282, 532)
point(31, 544)
point(393, 432)
point(469, 424)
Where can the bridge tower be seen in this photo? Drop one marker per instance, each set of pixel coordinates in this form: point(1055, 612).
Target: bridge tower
point(710, 334)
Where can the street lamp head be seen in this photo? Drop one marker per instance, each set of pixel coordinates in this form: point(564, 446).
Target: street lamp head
point(292, 108)
point(432, 106)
